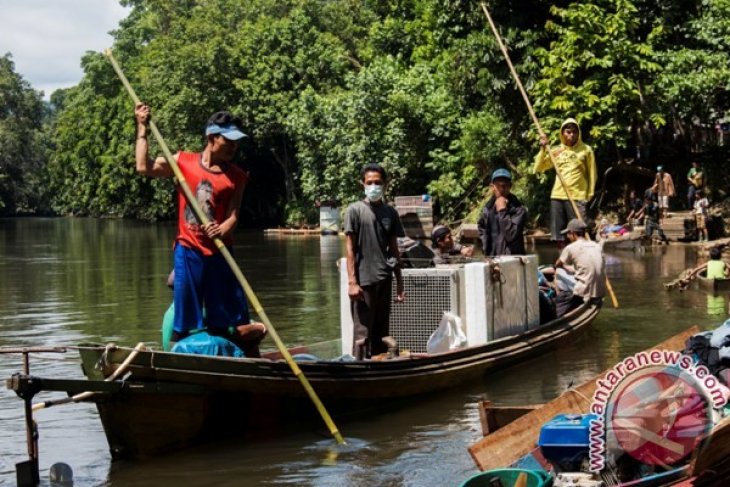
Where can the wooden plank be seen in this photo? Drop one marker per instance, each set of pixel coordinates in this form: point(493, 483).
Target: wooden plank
point(418, 200)
point(494, 417)
point(508, 444)
point(714, 454)
point(469, 232)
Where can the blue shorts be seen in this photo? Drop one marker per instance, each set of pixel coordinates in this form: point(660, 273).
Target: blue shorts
point(206, 281)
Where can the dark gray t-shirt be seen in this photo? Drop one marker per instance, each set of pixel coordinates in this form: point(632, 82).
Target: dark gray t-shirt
point(373, 227)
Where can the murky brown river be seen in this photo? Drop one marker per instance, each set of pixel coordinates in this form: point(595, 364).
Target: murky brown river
point(66, 281)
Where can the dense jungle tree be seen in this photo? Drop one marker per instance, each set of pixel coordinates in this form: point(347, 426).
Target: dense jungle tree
point(22, 143)
point(325, 86)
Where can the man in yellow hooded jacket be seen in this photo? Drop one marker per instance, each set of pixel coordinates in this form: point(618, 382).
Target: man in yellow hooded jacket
point(577, 165)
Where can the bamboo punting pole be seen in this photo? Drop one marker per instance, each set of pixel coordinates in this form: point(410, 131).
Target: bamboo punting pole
point(203, 219)
point(535, 120)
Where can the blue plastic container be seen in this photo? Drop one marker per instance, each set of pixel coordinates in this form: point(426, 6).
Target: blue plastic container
point(565, 439)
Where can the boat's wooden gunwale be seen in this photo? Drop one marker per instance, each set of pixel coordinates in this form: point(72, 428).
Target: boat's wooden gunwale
point(508, 444)
point(713, 285)
point(388, 378)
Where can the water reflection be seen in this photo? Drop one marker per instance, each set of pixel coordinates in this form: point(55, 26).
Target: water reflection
point(716, 305)
point(72, 280)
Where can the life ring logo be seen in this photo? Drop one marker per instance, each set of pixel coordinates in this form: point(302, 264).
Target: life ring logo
point(656, 406)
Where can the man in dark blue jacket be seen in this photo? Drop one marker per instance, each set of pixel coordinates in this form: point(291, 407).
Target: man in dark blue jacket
point(502, 223)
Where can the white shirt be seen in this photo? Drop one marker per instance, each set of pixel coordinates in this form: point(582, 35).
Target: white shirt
point(587, 260)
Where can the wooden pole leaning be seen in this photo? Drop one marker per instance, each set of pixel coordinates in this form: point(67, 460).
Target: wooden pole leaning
point(540, 131)
point(203, 219)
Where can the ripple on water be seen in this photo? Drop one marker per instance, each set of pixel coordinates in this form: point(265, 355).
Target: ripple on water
point(80, 294)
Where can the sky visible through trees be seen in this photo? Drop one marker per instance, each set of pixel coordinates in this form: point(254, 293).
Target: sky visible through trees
point(420, 86)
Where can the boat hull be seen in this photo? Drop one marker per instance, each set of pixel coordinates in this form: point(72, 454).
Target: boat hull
point(713, 285)
point(250, 397)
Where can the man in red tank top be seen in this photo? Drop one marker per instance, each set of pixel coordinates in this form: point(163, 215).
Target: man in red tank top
point(202, 277)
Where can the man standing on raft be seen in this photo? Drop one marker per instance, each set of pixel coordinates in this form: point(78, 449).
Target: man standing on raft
point(202, 276)
point(577, 164)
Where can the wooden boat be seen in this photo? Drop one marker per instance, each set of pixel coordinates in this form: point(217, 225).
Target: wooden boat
point(624, 242)
point(293, 231)
point(508, 443)
point(711, 462)
point(169, 401)
point(712, 285)
point(540, 239)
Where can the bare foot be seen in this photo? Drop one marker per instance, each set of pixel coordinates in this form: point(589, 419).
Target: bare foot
point(251, 332)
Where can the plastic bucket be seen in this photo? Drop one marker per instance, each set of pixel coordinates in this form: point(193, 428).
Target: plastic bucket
point(508, 477)
point(329, 220)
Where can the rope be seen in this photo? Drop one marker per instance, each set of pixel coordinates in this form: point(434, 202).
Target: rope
point(85, 395)
point(580, 394)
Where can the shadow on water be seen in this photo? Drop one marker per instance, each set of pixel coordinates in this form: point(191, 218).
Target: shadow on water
point(65, 281)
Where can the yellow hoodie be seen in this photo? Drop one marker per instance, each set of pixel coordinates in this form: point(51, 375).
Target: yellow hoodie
point(577, 165)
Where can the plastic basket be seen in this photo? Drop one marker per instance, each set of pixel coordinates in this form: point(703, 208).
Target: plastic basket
point(508, 477)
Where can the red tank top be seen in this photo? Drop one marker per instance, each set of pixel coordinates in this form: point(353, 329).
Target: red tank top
point(214, 191)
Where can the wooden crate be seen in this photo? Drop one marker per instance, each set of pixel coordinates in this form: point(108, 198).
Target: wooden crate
point(416, 215)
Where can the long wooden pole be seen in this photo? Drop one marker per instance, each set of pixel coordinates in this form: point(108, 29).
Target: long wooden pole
point(203, 219)
point(559, 174)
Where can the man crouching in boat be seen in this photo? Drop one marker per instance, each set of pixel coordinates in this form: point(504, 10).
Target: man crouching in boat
point(372, 228)
point(584, 259)
point(202, 276)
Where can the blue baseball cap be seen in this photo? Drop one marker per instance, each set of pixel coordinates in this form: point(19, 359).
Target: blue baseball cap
point(501, 173)
point(229, 131)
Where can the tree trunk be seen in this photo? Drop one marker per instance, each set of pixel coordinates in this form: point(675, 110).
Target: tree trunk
point(284, 163)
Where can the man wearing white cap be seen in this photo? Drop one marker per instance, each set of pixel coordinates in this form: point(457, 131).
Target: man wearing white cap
point(201, 274)
point(584, 259)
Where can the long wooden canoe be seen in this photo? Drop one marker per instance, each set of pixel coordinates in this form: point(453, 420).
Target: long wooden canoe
point(174, 400)
point(624, 242)
point(513, 441)
point(712, 285)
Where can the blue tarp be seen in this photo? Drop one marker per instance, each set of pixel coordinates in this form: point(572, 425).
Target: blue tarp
point(203, 344)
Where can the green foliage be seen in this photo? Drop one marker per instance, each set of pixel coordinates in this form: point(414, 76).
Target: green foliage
point(22, 143)
point(420, 86)
point(598, 69)
point(696, 81)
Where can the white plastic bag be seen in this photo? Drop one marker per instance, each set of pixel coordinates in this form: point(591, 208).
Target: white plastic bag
point(448, 336)
point(721, 336)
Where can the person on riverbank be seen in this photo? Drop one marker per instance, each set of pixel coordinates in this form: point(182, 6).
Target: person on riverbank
point(664, 188)
point(652, 224)
point(372, 228)
point(636, 210)
point(577, 165)
point(695, 182)
point(716, 267)
point(502, 223)
point(202, 277)
point(700, 210)
point(445, 249)
point(584, 260)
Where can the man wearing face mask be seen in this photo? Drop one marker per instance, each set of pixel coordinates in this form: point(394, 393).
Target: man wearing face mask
point(501, 226)
point(372, 228)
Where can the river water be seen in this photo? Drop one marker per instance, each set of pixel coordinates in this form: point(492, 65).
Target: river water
point(67, 281)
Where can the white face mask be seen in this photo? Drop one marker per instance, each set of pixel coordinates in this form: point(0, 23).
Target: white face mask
point(374, 192)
